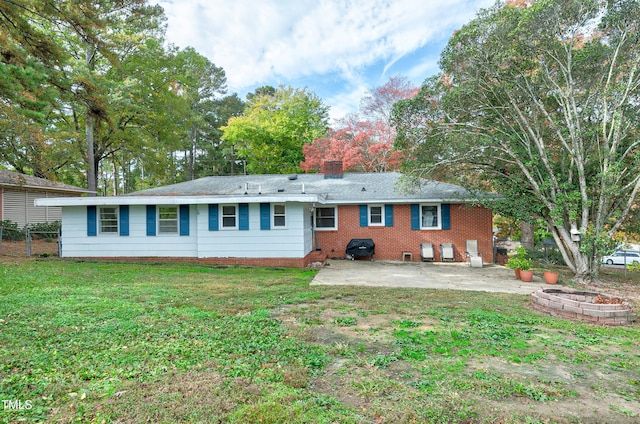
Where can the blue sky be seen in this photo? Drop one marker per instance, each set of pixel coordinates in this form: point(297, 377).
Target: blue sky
point(338, 49)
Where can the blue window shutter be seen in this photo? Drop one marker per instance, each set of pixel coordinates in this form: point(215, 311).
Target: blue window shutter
point(184, 220)
point(446, 216)
point(213, 218)
point(92, 221)
point(415, 217)
point(364, 219)
point(124, 220)
point(265, 216)
point(388, 215)
point(243, 216)
point(151, 220)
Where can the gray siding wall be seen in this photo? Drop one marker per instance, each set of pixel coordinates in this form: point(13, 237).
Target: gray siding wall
point(17, 206)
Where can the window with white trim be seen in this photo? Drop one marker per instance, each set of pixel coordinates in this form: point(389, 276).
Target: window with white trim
point(108, 220)
point(326, 218)
point(229, 217)
point(167, 220)
point(376, 215)
point(430, 217)
point(279, 215)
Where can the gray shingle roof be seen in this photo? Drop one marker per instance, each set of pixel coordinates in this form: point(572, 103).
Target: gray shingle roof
point(15, 179)
point(353, 187)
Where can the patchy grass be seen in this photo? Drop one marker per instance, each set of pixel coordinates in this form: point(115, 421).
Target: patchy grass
point(116, 342)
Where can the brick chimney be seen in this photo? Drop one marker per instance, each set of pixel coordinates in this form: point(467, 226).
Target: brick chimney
point(332, 169)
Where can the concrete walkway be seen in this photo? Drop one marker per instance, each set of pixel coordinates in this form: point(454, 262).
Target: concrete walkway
point(428, 275)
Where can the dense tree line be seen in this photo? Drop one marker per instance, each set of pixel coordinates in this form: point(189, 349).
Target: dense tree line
point(539, 101)
point(91, 94)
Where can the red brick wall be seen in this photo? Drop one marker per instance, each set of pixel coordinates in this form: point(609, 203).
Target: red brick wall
point(467, 223)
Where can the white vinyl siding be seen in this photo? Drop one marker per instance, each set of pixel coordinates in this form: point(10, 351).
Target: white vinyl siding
point(294, 241)
point(76, 243)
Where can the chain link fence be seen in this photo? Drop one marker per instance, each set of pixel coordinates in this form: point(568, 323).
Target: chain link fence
point(26, 243)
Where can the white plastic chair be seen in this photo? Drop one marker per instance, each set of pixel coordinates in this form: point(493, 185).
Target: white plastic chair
point(446, 252)
point(475, 257)
point(426, 252)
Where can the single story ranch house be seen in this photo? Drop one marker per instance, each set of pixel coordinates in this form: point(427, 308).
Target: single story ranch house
point(276, 220)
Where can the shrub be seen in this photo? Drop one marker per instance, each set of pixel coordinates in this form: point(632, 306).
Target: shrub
point(553, 255)
point(634, 267)
point(520, 260)
point(49, 228)
point(10, 231)
point(516, 262)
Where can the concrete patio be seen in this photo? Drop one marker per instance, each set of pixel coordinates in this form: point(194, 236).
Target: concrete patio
point(428, 275)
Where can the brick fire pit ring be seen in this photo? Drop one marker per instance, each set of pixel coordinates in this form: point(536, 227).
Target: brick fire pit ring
point(584, 306)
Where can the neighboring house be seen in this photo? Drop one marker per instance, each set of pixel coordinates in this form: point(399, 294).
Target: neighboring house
point(274, 220)
point(18, 191)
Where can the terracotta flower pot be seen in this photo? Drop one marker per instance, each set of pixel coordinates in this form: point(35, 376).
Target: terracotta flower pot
point(526, 276)
point(550, 277)
point(517, 271)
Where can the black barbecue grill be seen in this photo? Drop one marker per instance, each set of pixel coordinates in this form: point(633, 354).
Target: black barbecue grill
point(360, 247)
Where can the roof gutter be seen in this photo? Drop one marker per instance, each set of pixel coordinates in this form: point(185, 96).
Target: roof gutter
point(175, 200)
point(45, 188)
point(403, 201)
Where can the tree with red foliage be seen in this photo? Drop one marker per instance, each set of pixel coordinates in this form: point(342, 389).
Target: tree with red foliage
point(363, 145)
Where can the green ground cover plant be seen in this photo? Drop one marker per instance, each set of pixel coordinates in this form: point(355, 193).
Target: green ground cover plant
point(132, 342)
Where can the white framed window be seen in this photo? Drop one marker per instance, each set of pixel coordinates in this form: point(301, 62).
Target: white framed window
point(430, 217)
point(376, 215)
point(279, 214)
point(326, 218)
point(229, 217)
point(108, 219)
point(167, 220)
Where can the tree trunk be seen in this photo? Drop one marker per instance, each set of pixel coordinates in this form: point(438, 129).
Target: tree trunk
point(233, 160)
point(92, 178)
point(192, 158)
point(584, 267)
point(91, 167)
point(526, 235)
point(116, 179)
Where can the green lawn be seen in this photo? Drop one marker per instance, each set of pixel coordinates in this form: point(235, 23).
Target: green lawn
point(116, 342)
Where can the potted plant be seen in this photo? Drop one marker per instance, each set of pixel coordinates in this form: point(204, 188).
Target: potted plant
point(519, 262)
point(526, 273)
point(550, 277)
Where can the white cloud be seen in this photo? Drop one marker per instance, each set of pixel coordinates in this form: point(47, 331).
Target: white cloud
point(261, 42)
point(345, 102)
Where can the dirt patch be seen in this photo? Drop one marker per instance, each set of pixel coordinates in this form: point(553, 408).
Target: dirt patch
point(586, 400)
point(39, 248)
point(172, 397)
point(366, 372)
point(335, 382)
